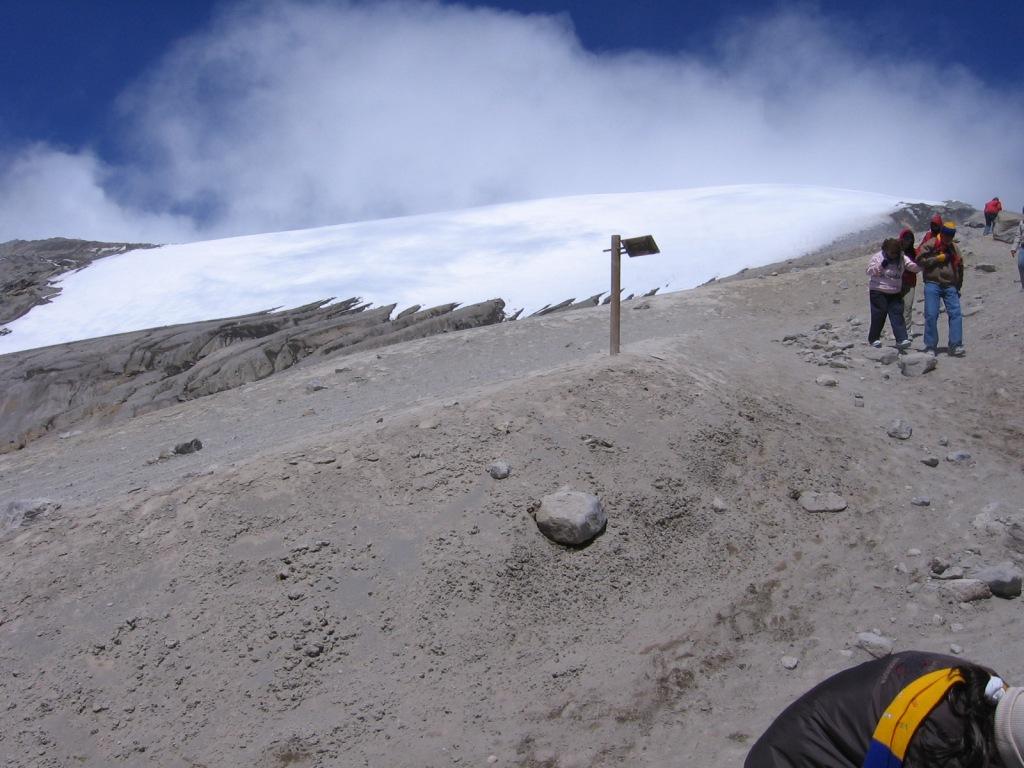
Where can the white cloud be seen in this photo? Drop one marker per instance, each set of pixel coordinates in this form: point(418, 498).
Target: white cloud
point(294, 114)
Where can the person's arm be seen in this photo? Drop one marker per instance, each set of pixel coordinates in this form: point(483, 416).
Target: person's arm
point(910, 264)
point(877, 264)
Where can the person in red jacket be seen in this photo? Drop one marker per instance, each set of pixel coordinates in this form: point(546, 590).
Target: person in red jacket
point(992, 209)
point(934, 227)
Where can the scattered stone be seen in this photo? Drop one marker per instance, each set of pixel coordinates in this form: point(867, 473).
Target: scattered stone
point(913, 552)
point(921, 501)
point(875, 644)
point(597, 442)
point(570, 517)
point(499, 470)
point(171, 643)
point(430, 423)
point(72, 433)
point(900, 429)
point(968, 590)
point(827, 381)
point(789, 662)
point(296, 594)
point(313, 650)
point(945, 574)
point(917, 364)
point(943, 441)
point(983, 267)
point(930, 461)
point(314, 387)
point(958, 457)
point(1004, 579)
point(955, 649)
point(812, 501)
point(191, 446)
point(844, 285)
point(718, 504)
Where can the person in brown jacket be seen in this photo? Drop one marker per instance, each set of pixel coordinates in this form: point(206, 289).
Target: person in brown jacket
point(914, 709)
point(942, 268)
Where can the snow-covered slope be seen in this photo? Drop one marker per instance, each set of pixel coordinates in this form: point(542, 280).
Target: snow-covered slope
point(529, 254)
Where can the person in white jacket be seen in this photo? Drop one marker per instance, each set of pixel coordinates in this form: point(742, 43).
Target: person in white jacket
point(885, 289)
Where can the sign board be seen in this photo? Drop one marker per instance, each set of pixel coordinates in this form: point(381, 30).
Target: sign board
point(640, 246)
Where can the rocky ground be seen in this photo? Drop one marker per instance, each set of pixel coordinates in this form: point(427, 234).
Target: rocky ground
point(336, 579)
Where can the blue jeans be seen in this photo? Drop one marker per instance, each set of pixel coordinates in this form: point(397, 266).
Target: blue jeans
point(932, 293)
point(1020, 266)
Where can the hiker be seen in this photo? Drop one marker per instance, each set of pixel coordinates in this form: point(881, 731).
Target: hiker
point(942, 268)
point(1016, 250)
point(992, 209)
point(934, 227)
point(909, 279)
point(912, 708)
point(885, 289)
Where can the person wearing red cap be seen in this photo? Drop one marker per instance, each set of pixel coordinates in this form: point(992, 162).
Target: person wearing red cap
point(934, 227)
point(912, 708)
point(992, 209)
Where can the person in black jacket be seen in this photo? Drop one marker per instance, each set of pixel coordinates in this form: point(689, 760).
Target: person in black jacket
point(912, 709)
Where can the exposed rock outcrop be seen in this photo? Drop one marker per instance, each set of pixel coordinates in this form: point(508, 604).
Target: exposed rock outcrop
point(27, 268)
point(99, 380)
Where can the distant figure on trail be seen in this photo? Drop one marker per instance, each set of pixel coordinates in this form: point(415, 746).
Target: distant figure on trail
point(943, 271)
point(909, 280)
point(1016, 250)
point(885, 289)
point(914, 709)
point(992, 209)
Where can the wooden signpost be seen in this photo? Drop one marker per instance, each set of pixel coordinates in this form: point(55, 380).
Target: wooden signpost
point(634, 246)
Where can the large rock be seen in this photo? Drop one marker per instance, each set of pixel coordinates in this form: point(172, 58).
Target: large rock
point(900, 429)
point(571, 517)
point(23, 511)
point(917, 364)
point(813, 501)
point(1003, 579)
point(875, 644)
point(968, 590)
point(885, 356)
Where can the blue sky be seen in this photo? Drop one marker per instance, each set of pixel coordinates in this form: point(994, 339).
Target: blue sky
point(190, 119)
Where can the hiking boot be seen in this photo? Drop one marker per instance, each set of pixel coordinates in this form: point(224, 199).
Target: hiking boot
point(930, 351)
point(957, 351)
point(876, 344)
point(904, 345)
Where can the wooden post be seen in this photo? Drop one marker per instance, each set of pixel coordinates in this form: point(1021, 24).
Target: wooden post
point(615, 308)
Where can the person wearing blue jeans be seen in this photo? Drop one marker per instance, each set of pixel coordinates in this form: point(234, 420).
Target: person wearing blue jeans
point(948, 294)
point(943, 269)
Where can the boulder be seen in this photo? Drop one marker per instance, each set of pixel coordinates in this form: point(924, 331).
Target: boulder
point(900, 429)
point(1003, 579)
point(875, 644)
point(812, 501)
point(570, 517)
point(885, 356)
point(917, 364)
point(968, 590)
point(22, 511)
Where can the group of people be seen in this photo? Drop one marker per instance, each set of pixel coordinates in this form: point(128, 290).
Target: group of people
point(892, 286)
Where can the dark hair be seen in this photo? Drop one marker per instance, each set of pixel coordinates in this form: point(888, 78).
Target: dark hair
point(971, 747)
